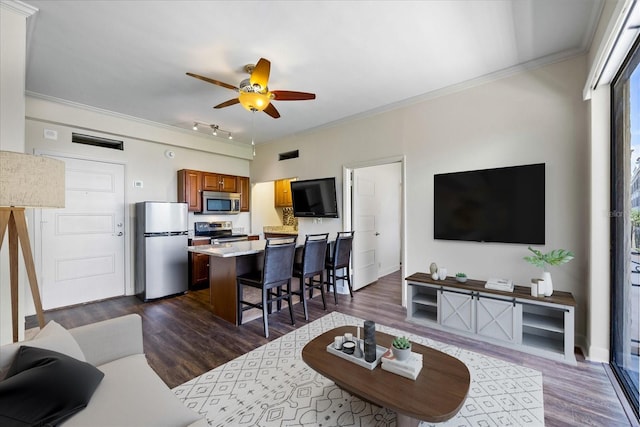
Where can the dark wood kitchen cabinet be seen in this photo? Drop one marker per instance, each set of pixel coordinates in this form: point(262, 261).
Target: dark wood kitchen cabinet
point(219, 182)
point(190, 189)
point(192, 183)
point(198, 266)
point(244, 188)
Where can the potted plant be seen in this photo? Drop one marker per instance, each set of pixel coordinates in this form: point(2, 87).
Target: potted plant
point(541, 260)
point(461, 277)
point(401, 347)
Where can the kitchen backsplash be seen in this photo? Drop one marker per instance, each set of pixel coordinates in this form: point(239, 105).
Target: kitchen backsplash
point(288, 218)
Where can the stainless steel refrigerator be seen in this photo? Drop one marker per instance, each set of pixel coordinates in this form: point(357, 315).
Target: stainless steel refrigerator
point(161, 263)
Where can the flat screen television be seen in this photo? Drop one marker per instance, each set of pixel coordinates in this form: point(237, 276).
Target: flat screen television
point(491, 205)
point(314, 198)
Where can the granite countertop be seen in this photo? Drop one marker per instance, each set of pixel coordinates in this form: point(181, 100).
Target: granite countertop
point(281, 229)
point(230, 249)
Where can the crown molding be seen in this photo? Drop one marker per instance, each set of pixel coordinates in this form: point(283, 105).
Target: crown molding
point(18, 7)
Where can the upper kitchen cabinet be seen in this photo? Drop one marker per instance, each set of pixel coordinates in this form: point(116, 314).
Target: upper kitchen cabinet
point(219, 182)
point(282, 192)
point(192, 183)
point(244, 188)
point(190, 189)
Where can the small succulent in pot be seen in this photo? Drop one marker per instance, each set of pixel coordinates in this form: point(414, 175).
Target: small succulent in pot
point(461, 277)
point(401, 347)
point(401, 343)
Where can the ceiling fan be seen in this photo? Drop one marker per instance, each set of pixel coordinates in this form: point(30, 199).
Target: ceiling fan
point(254, 94)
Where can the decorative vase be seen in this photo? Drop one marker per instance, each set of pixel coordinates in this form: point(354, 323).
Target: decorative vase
point(434, 276)
point(401, 353)
point(548, 285)
point(442, 273)
point(433, 268)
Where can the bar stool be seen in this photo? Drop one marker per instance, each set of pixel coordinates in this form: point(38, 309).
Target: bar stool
point(311, 266)
point(276, 273)
point(340, 261)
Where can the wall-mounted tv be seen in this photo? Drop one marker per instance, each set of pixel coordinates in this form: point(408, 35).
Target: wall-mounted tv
point(491, 205)
point(314, 198)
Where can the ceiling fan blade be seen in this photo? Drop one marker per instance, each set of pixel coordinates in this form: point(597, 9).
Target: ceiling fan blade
point(228, 103)
point(288, 95)
point(215, 82)
point(271, 110)
point(260, 74)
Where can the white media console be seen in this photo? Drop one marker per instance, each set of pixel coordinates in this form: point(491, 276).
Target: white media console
point(538, 325)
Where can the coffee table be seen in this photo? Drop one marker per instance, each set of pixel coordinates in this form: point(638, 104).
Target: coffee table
point(435, 396)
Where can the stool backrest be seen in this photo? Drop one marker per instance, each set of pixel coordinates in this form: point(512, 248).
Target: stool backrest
point(278, 260)
point(314, 252)
point(342, 252)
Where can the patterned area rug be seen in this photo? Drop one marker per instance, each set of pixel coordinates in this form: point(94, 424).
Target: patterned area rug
point(272, 386)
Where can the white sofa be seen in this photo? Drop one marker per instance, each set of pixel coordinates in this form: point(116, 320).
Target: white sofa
point(130, 393)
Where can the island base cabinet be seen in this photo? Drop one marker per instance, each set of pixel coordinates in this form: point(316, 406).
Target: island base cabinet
point(541, 326)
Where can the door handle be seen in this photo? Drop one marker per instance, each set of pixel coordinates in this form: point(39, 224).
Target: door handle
point(120, 234)
point(377, 234)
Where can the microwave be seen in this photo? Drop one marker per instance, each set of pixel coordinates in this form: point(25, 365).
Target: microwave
point(214, 202)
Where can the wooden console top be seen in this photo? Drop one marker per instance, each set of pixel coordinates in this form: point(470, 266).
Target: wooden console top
point(521, 292)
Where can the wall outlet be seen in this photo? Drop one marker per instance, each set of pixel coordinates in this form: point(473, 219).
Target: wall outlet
point(138, 184)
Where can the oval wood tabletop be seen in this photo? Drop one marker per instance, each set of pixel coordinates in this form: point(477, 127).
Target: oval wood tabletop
point(436, 395)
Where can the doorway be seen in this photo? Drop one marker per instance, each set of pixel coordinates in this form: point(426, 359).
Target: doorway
point(374, 209)
point(81, 248)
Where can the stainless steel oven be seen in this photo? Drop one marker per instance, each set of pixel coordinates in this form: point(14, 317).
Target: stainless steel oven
point(218, 231)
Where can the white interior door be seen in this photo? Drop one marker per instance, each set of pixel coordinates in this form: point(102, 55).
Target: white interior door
point(365, 266)
point(83, 244)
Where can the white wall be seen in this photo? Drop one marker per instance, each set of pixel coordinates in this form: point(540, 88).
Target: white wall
point(263, 210)
point(143, 157)
point(13, 23)
point(536, 116)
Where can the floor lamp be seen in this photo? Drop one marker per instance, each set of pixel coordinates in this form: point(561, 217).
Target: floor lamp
point(26, 181)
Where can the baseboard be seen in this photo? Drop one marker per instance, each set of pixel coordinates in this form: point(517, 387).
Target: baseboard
point(597, 354)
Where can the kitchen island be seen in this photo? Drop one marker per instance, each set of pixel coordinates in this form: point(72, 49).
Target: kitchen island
point(226, 262)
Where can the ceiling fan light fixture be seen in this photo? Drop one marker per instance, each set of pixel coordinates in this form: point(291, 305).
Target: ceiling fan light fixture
point(254, 101)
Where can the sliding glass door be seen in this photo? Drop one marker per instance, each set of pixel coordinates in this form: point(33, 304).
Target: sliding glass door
point(625, 226)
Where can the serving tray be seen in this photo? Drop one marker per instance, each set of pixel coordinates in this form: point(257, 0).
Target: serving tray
point(380, 350)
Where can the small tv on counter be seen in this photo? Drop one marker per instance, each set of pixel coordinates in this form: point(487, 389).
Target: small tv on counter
point(491, 205)
point(314, 198)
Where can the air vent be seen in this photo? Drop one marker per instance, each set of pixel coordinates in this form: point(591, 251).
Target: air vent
point(289, 155)
point(97, 141)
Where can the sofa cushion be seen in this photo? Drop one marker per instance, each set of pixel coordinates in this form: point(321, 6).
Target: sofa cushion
point(44, 387)
point(52, 337)
point(131, 394)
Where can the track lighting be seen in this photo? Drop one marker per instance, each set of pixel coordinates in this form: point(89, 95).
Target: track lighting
point(215, 130)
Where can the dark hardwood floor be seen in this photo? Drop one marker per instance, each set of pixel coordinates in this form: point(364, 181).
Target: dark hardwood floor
point(182, 340)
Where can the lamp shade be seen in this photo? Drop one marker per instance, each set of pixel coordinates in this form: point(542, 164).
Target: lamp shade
point(254, 101)
point(31, 181)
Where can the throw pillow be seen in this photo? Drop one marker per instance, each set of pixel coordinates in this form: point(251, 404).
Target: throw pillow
point(55, 337)
point(44, 387)
point(52, 337)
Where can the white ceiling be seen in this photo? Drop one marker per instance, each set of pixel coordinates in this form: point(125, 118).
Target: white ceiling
point(358, 57)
